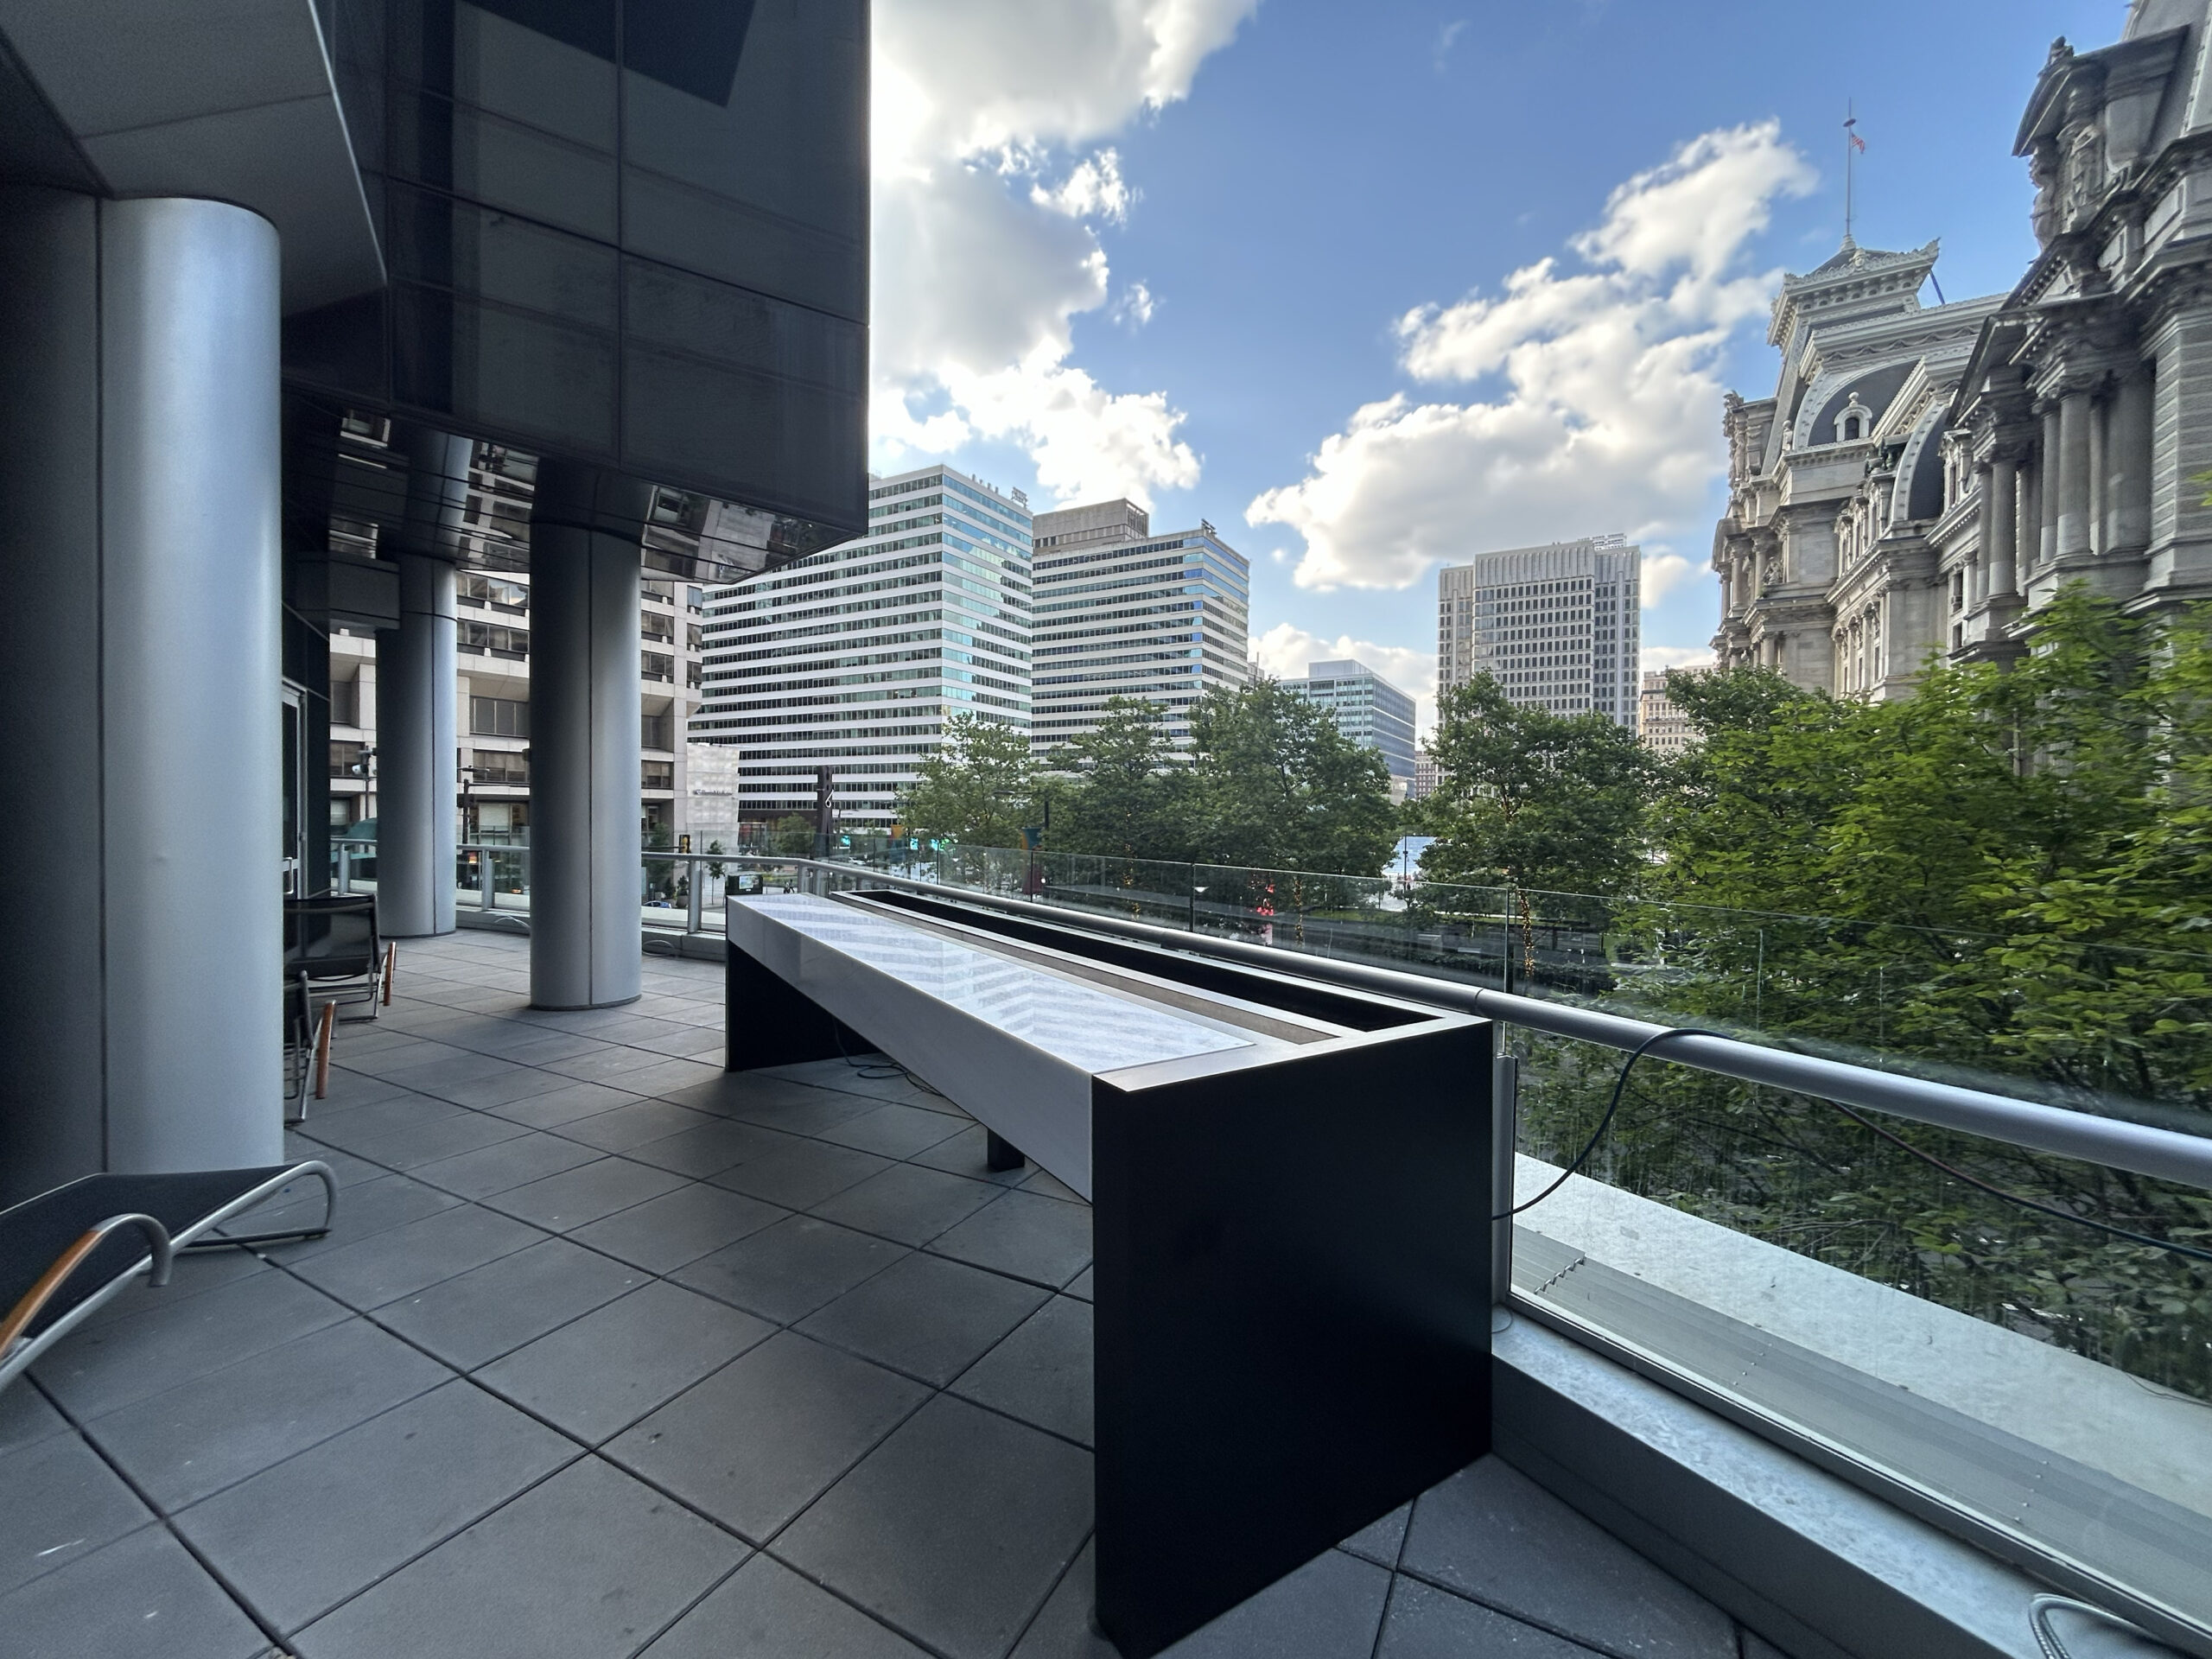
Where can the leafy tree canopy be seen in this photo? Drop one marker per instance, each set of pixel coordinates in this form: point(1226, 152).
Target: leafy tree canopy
point(1276, 786)
point(1121, 792)
point(980, 786)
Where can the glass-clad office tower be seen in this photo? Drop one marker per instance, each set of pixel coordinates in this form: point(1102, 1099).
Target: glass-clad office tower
point(1370, 710)
point(852, 660)
point(280, 286)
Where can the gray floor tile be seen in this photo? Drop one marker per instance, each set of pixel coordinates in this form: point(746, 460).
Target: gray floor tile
point(1044, 1183)
point(502, 1088)
point(532, 1045)
point(1492, 1532)
point(1381, 1541)
point(611, 1063)
point(767, 1612)
point(485, 1311)
point(785, 1272)
point(190, 1274)
point(143, 1596)
point(664, 1233)
point(801, 1175)
point(1330, 1608)
point(1041, 1373)
point(351, 1129)
point(585, 1193)
point(364, 1211)
point(1754, 1648)
point(511, 1163)
point(598, 1375)
point(755, 1442)
point(776, 1103)
point(194, 1440)
point(1424, 1622)
point(955, 1529)
point(407, 1149)
point(929, 1318)
point(299, 1538)
point(349, 1170)
point(1079, 1286)
point(62, 1504)
point(667, 1073)
point(571, 1104)
point(912, 1205)
point(26, 1417)
point(102, 1367)
point(1031, 1237)
point(683, 1042)
point(966, 1154)
point(588, 1565)
point(403, 1260)
point(635, 1124)
point(457, 1065)
point(1063, 1628)
point(713, 1147)
point(893, 1130)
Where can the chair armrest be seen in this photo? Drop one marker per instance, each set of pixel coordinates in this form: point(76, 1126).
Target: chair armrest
point(27, 1309)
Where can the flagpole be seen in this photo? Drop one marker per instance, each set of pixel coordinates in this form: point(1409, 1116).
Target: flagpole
point(1850, 118)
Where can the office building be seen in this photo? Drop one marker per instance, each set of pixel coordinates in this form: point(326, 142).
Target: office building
point(1370, 710)
point(1924, 479)
point(854, 658)
point(1122, 613)
point(1664, 728)
point(1424, 775)
point(1557, 625)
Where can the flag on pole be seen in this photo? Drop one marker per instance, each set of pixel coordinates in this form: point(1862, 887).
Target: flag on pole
point(1857, 143)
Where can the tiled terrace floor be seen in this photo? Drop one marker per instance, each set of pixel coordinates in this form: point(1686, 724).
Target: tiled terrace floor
point(615, 1352)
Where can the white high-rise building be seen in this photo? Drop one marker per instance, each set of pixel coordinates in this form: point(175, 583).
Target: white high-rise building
point(1370, 710)
point(1556, 625)
point(853, 657)
point(1123, 613)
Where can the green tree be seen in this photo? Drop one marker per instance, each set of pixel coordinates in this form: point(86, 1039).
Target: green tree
point(980, 786)
point(1122, 792)
point(1530, 800)
point(1275, 786)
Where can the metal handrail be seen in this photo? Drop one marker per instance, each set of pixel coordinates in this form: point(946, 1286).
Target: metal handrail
point(2143, 1149)
point(2165, 1155)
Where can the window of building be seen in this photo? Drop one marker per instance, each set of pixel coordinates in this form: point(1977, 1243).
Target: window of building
point(657, 775)
point(498, 717)
point(478, 589)
point(655, 665)
point(490, 639)
point(346, 702)
point(659, 731)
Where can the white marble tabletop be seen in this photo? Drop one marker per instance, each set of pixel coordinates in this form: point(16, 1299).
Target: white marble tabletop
point(1075, 1022)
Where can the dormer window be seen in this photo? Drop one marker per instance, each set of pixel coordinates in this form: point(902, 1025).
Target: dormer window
point(1856, 422)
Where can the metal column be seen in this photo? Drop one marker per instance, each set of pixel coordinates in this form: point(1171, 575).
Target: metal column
point(415, 755)
point(586, 943)
point(141, 806)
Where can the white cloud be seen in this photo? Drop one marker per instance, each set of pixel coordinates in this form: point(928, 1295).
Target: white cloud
point(1285, 649)
point(1136, 306)
point(1599, 395)
point(993, 176)
point(1658, 658)
point(1664, 570)
point(1441, 52)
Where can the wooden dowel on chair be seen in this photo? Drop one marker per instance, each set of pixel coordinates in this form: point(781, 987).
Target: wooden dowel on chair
point(322, 1049)
point(391, 966)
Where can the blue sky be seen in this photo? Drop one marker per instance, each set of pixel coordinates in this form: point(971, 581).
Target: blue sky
point(1174, 247)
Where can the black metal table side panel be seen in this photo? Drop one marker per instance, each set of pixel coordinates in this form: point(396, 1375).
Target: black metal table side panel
point(1292, 1314)
point(769, 1021)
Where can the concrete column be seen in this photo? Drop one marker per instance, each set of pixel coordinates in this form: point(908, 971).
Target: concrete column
point(586, 947)
point(2127, 467)
point(2074, 474)
point(416, 755)
point(141, 796)
point(2001, 514)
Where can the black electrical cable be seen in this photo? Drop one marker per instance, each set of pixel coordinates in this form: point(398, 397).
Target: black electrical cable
point(885, 1072)
point(2057, 1212)
point(2021, 1199)
point(1620, 1083)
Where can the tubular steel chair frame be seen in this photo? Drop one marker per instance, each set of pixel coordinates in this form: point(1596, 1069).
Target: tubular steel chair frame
point(19, 1348)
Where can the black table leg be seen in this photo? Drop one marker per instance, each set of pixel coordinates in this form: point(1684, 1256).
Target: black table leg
point(1000, 1153)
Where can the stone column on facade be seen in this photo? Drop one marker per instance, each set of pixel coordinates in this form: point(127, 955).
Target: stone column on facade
point(2071, 518)
point(2127, 528)
point(2002, 510)
point(2047, 487)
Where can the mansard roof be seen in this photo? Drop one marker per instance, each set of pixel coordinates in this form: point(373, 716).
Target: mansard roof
point(1851, 282)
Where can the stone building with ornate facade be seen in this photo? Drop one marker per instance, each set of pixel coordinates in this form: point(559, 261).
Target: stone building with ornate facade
point(1926, 478)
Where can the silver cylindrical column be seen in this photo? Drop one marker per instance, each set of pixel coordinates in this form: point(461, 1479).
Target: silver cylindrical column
point(586, 948)
point(415, 755)
point(141, 806)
